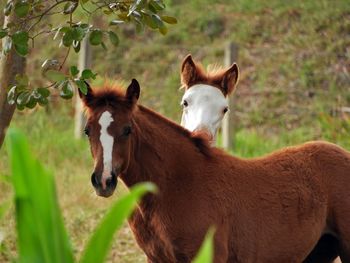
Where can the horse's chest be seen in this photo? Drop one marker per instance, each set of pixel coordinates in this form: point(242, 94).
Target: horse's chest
point(153, 238)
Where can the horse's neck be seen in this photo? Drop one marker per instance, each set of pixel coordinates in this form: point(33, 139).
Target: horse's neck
point(157, 146)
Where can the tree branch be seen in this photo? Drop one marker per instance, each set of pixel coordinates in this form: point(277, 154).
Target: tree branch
point(46, 13)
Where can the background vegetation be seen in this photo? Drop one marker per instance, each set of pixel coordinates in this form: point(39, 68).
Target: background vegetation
point(295, 78)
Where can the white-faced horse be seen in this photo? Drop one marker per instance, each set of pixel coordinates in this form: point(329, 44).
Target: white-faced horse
point(204, 102)
point(204, 106)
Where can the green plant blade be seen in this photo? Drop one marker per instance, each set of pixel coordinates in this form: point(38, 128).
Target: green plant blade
point(206, 252)
point(41, 233)
point(100, 242)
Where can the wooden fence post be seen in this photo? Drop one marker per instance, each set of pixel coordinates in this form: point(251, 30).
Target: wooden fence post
point(231, 55)
point(85, 56)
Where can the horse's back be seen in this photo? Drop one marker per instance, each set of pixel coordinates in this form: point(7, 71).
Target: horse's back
point(297, 187)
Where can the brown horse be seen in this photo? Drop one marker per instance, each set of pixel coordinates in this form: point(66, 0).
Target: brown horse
point(204, 106)
point(269, 209)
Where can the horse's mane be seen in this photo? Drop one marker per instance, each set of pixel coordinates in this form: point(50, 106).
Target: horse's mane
point(200, 141)
point(114, 96)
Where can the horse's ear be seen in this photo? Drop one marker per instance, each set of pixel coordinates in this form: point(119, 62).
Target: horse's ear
point(89, 95)
point(189, 72)
point(230, 79)
point(133, 91)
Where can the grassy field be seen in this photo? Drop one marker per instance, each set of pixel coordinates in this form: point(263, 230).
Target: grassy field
point(295, 77)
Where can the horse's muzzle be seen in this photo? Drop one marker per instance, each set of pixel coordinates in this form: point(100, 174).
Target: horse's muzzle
point(109, 187)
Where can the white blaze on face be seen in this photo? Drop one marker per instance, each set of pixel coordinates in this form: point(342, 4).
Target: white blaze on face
point(107, 146)
point(205, 109)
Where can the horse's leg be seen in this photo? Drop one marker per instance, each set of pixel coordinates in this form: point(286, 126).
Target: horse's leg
point(325, 251)
point(343, 225)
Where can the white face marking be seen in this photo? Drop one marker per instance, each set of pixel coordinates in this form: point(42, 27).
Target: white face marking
point(107, 146)
point(205, 109)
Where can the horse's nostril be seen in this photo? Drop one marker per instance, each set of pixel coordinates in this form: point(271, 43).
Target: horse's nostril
point(94, 180)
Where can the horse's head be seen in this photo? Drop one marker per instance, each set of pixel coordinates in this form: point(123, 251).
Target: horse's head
point(204, 102)
point(109, 127)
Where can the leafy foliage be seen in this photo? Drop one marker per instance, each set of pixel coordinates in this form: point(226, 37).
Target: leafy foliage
point(32, 14)
point(41, 233)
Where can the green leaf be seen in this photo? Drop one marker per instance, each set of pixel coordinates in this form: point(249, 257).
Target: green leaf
point(22, 8)
point(55, 75)
point(134, 6)
point(163, 30)
point(81, 85)
point(161, 26)
point(123, 16)
point(21, 50)
point(74, 71)
point(84, 26)
point(151, 22)
point(95, 37)
point(44, 92)
point(43, 101)
point(66, 91)
point(70, 7)
point(96, 250)
point(88, 74)
point(169, 19)
point(78, 33)
point(107, 12)
point(3, 33)
point(157, 20)
point(11, 95)
point(206, 252)
point(36, 95)
point(113, 37)
point(20, 38)
point(68, 38)
point(20, 107)
point(23, 98)
point(32, 102)
point(41, 236)
point(152, 9)
point(158, 5)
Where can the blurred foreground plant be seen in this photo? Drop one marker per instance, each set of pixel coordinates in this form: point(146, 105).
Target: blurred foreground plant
point(41, 234)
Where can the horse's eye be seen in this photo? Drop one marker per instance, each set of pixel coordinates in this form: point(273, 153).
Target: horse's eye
point(225, 110)
point(185, 103)
point(86, 131)
point(127, 130)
